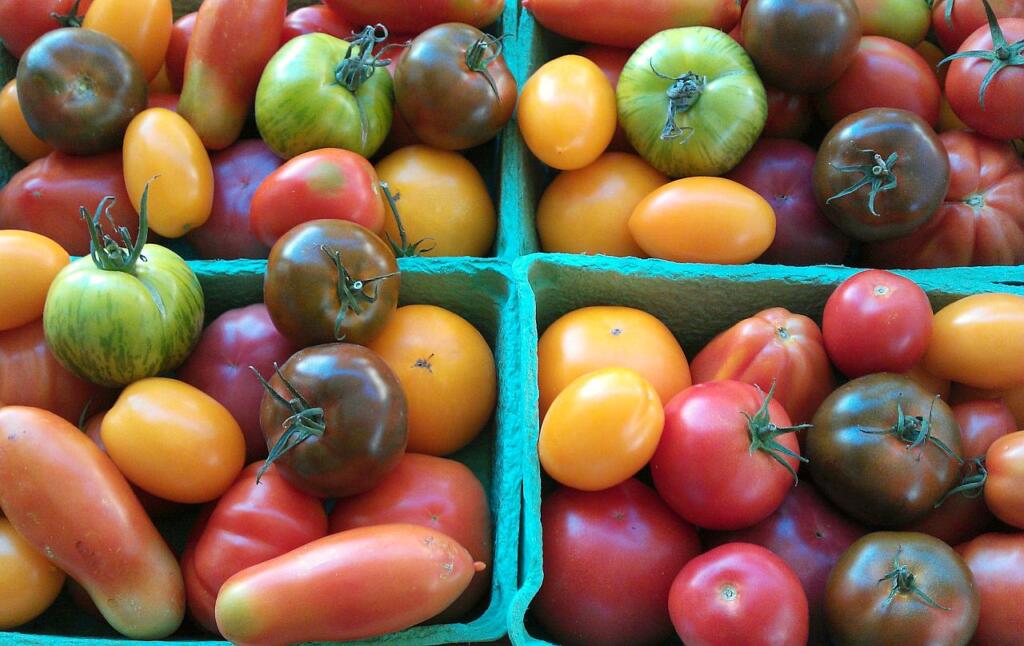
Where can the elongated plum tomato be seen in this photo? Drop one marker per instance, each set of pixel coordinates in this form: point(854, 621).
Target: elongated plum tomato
point(29, 583)
point(1004, 489)
point(14, 130)
point(704, 219)
point(976, 341)
point(567, 112)
point(143, 27)
point(28, 264)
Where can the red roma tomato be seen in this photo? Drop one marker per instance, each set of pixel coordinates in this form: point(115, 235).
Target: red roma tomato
point(1004, 489)
point(955, 20)
point(220, 367)
point(772, 348)
point(143, 27)
point(251, 523)
point(610, 22)
point(739, 594)
point(725, 460)
point(780, 171)
point(876, 321)
point(68, 499)
point(789, 115)
point(316, 19)
point(436, 493)
point(23, 21)
point(996, 562)
point(46, 197)
point(412, 18)
point(910, 84)
point(177, 49)
point(15, 131)
point(238, 172)
point(325, 183)
point(611, 60)
point(416, 573)
point(609, 560)
point(976, 341)
point(29, 582)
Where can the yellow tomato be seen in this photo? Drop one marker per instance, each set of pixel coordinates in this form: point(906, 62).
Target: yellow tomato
point(447, 373)
point(28, 264)
point(979, 341)
point(587, 210)
point(567, 112)
point(443, 200)
point(14, 130)
point(173, 440)
point(603, 337)
point(160, 144)
point(29, 583)
point(704, 219)
point(143, 27)
point(601, 430)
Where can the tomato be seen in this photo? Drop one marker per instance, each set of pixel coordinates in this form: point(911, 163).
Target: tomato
point(611, 60)
point(414, 18)
point(321, 92)
point(690, 102)
point(15, 131)
point(789, 114)
point(975, 341)
point(996, 562)
point(28, 264)
point(567, 112)
point(901, 587)
point(603, 337)
point(231, 44)
point(177, 49)
point(220, 366)
point(906, 21)
point(443, 201)
point(79, 89)
point(704, 219)
point(880, 174)
point(29, 583)
point(143, 27)
point(955, 20)
point(601, 429)
point(930, 382)
point(161, 84)
point(587, 210)
point(23, 21)
point(435, 493)
point(981, 221)
point(238, 173)
point(1013, 397)
point(739, 593)
point(252, 522)
point(326, 183)
point(801, 46)
point(780, 171)
point(609, 560)
point(1004, 493)
point(66, 498)
point(453, 87)
point(165, 101)
point(909, 82)
point(315, 19)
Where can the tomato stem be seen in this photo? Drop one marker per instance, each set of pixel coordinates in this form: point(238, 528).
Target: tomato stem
point(915, 431)
point(878, 173)
point(401, 249)
point(478, 59)
point(71, 18)
point(905, 582)
point(360, 63)
point(107, 253)
point(351, 292)
point(971, 485)
point(1002, 54)
point(763, 433)
point(682, 95)
point(306, 421)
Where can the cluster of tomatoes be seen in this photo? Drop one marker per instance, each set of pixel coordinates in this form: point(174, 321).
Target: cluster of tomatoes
point(671, 501)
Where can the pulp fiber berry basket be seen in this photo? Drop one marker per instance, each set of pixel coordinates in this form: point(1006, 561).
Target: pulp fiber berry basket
point(696, 302)
point(480, 290)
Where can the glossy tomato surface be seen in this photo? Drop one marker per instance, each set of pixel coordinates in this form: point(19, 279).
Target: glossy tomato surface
point(996, 562)
point(975, 341)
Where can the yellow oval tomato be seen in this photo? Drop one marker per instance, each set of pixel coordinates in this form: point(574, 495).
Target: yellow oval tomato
point(442, 200)
point(161, 144)
point(29, 583)
point(601, 430)
point(143, 27)
point(447, 373)
point(704, 219)
point(173, 440)
point(587, 210)
point(567, 112)
point(28, 264)
point(1004, 493)
point(979, 341)
point(14, 130)
point(603, 337)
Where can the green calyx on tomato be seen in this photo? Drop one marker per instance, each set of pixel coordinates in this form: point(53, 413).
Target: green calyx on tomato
point(351, 292)
point(306, 421)
point(905, 582)
point(684, 92)
point(107, 253)
point(403, 248)
point(482, 53)
point(971, 485)
point(71, 18)
point(878, 173)
point(763, 433)
point(915, 431)
point(1002, 54)
point(354, 70)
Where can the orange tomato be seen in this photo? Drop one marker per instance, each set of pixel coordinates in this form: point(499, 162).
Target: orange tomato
point(1004, 488)
point(443, 200)
point(605, 336)
point(173, 440)
point(143, 27)
point(587, 210)
point(567, 112)
point(28, 264)
point(29, 583)
point(160, 144)
point(447, 373)
point(704, 219)
point(601, 430)
point(14, 130)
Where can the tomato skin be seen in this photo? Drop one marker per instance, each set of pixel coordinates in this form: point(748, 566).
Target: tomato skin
point(30, 582)
point(609, 560)
point(906, 21)
point(1013, 397)
point(315, 19)
point(967, 17)
point(177, 49)
point(996, 562)
point(400, 16)
point(165, 101)
point(975, 341)
point(611, 60)
point(1004, 494)
point(931, 383)
point(1001, 117)
point(789, 114)
point(64, 495)
point(143, 27)
point(22, 22)
point(14, 130)
point(30, 262)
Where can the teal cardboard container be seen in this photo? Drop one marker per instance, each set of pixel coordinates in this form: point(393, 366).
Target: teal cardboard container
point(696, 302)
point(481, 291)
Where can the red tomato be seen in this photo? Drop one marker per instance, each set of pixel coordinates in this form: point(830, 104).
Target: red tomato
point(315, 19)
point(161, 100)
point(876, 321)
point(966, 16)
point(780, 171)
point(23, 21)
point(909, 82)
point(414, 17)
point(177, 49)
point(238, 172)
point(611, 60)
point(720, 463)
point(739, 594)
point(996, 562)
point(220, 367)
point(1004, 489)
point(609, 559)
point(789, 115)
